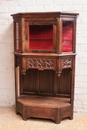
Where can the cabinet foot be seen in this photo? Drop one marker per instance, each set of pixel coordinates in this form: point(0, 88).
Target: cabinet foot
point(57, 121)
point(24, 118)
point(71, 118)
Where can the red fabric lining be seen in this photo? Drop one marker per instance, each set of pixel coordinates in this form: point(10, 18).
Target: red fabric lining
point(67, 38)
point(41, 37)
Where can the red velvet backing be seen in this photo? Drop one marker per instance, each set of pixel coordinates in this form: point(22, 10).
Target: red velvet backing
point(67, 38)
point(41, 37)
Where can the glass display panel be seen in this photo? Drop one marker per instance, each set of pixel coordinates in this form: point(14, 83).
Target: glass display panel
point(41, 37)
point(67, 36)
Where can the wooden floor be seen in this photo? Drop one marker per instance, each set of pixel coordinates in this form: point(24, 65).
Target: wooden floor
point(10, 121)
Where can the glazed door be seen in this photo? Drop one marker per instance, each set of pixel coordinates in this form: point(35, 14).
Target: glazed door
point(40, 36)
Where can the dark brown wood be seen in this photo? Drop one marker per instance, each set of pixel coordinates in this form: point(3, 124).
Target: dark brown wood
point(44, 107)
point(45, 14)
point(59, 36)
point(44, 78)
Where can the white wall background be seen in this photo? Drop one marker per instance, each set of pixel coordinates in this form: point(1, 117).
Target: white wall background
point(8, 7)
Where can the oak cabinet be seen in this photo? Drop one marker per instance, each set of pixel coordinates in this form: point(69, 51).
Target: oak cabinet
point(44, 50)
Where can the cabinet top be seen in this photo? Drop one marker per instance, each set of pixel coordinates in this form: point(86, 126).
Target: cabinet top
point(45, 14)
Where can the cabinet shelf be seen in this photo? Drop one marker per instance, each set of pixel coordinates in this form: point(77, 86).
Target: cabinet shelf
point(43, 101)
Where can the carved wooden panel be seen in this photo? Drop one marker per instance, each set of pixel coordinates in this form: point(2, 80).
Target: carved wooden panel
point(17, 61)
point(66, 62)
point(41, 63)
point(42, 22)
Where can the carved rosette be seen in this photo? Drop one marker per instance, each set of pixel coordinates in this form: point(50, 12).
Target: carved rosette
point(66, 63)
point(41, 63)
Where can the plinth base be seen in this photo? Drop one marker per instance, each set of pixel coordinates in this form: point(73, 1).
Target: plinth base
point(54, 108)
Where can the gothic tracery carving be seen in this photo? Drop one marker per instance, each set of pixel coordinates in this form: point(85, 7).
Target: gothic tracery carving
point(41, 63)
point(66, 62)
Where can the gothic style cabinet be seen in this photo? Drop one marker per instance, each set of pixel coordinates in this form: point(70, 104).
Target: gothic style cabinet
point(44, 49)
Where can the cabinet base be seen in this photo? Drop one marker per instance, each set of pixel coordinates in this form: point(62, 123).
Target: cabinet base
point(54, 108)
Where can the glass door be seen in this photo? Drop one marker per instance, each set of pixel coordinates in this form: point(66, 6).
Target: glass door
point(41, 37)
point(67, 36)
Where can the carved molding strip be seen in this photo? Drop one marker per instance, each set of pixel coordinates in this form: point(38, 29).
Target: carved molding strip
point(41, 63)
point(43, 22)
point(66, 62)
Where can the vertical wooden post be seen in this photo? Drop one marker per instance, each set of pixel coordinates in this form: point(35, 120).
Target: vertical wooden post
point(17, 82)
point(59, 36)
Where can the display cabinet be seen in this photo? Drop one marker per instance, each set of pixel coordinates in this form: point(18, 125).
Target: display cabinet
point(44, 50)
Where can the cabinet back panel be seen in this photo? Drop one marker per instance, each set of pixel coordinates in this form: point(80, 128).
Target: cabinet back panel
point(64, 82)
point(46, 81)
point(39, 81)
point(41, 37)
point(30, 80)
point(42, 82)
